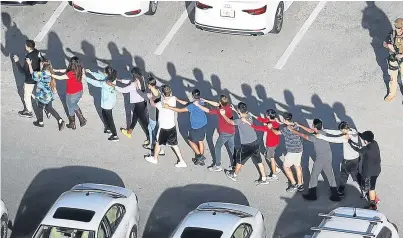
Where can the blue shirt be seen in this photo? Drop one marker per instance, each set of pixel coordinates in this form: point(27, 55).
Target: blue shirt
point(43, 93)
point(108, 93)
point(198, 117)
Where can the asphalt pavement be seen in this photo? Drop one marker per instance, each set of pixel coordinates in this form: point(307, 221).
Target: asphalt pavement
point(336, 72)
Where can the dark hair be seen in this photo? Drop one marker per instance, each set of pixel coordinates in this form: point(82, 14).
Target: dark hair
point(76, 67)
point(30, 44)
point(111, 74)
point(242, 107)
point(287, 116)
point(166, 90)
point(223, 100)
point(318, 124)
point(136, 73)
point(367, 135)
point(151, 80)
point(343, 126)
point(271, 113)
point(196, 93)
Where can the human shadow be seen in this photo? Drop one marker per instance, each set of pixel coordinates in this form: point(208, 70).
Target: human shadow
point(47, 186)
point(378, 25)
point(299, 215)
point(167, 215)
point(89, 60)
point(190, 8)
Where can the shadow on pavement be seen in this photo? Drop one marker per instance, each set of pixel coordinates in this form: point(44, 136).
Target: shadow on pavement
point(47, 186)
point(175, 203)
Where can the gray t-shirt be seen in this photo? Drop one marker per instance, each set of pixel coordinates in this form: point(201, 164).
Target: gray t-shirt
point(322, 147)
point(247, 134)
point(293, 143)
point(152, 111)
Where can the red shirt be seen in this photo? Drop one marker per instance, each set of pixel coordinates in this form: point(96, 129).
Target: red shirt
point(271, 138)
point(73, 85)
point(223, 126)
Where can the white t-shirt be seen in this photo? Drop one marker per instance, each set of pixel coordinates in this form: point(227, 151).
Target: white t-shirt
point(166, 117)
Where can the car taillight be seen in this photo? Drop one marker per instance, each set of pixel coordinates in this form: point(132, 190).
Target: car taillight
point(77, 7)
point(132, 13)
point(202, 6)
point(258, 11)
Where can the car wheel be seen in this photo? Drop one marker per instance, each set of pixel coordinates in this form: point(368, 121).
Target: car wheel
point(4, 226)
point(278, 19)
point(133, 232)
point(152, 9)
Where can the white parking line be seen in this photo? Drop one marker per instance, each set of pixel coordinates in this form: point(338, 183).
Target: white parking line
point(51, 21)
point(174, 29)
point(281, 62)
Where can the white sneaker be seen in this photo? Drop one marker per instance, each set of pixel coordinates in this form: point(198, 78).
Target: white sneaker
point(151, 159)
point(162, 152)
point(181, 164)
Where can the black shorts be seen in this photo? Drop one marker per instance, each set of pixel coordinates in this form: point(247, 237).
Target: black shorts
point(167, 136)
point(270, 151)
point(196, 135)
point(247, 151)
point(370, 183)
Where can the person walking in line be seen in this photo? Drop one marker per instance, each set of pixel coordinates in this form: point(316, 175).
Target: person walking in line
point(249, 144)
point(106, 81)
point(294, 149)
point(272, 140)
point(371, 165)
point(198, 122)
point(74, 74)
point(167, 133)
point(323, 160)
point(139, 103)
point(44, 92)
point(34, 57)
point(226, 130)
point(349, 166)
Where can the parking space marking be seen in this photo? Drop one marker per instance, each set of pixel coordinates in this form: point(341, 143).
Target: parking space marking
point(281, 62)
point(174, 29)
point(51, 21)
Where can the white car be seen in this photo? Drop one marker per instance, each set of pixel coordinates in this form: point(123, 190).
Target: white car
point(222, 220)
point(124, 8)
point(348, 222)
point(4, 220)
point(241, 17)
point(92, 210)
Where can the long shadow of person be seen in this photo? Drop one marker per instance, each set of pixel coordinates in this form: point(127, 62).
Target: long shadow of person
point(166, 215)
point(14, 45)
point(378, 25)
point(217, 87)
point(340, 112)
point(47, 186)
point(299, 215)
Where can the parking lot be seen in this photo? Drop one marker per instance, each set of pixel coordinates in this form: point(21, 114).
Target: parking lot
point(335, 72)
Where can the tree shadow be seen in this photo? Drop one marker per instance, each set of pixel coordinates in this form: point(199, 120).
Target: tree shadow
point(190, 10)
point(299, 215)
point(166, 215)
point(47, 186)
point(378, 25)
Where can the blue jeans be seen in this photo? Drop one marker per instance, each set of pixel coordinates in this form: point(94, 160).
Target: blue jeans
point(152, 130)
point(222, 139)
point(72, 102)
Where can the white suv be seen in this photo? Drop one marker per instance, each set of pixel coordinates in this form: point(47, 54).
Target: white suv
point(348, 222)
point(92, 210)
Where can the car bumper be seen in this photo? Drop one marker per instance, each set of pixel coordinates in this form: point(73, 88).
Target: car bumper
point(231, 31)
point(110, 11)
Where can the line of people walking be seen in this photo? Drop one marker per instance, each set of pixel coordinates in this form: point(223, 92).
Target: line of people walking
point(155, 107)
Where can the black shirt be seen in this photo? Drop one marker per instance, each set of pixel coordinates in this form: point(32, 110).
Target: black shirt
point(35, 58)
point(371, 158)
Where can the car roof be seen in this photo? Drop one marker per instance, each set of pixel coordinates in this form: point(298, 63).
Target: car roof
point(360, 223)
point(80, 198)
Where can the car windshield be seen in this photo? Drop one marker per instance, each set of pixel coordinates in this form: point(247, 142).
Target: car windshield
point(197, 232)
point(62, 232)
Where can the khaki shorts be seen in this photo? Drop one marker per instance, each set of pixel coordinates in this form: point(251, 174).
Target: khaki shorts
point(292, 159)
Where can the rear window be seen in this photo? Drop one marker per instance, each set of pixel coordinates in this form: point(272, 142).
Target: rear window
point(74, 214)
point(197, 232)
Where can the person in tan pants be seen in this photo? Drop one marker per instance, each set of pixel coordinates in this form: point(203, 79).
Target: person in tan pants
point(394, 44)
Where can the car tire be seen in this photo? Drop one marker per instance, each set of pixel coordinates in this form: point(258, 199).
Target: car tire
point(278, 19)
point(4, 226)
point(152, 8)
point(133, 232)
